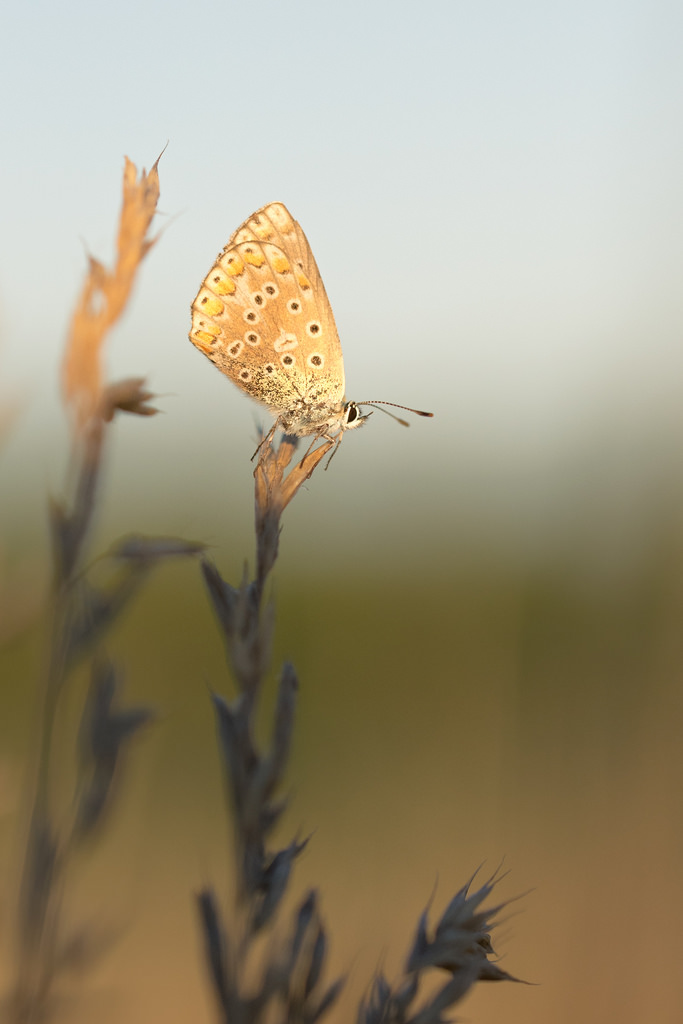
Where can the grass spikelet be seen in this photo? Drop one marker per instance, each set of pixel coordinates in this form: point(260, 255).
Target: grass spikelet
point(284, 980)
point(105, 294)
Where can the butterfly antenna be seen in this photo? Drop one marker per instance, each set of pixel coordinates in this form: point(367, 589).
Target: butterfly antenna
point(404, 423)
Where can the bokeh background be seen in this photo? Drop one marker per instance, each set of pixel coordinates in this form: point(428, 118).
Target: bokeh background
point(485, 610)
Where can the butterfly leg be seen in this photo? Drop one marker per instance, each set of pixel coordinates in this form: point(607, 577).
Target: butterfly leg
point(267, 439)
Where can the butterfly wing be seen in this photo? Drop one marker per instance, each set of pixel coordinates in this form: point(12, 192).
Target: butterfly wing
point(263, 317)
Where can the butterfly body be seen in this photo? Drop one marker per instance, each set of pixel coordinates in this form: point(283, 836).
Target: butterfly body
point(262, 316)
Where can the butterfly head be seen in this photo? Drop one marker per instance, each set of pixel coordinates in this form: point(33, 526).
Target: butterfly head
point(352, 417)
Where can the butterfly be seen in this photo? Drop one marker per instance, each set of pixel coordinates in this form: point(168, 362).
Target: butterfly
point(262, 316)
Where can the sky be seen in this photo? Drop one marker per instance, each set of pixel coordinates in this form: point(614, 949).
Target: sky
point(491, 191)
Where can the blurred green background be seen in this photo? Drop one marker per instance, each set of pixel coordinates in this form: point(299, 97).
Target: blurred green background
point(484, 610)
point(461, 705)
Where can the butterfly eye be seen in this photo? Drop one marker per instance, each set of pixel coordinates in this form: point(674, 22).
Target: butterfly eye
point(351, 412)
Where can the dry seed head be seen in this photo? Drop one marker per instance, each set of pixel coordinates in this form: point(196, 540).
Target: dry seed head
point(105, 294)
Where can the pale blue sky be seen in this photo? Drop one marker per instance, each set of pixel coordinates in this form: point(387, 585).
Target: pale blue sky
point(492, 191)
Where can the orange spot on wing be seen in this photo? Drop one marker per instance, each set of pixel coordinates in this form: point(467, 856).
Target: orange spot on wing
point(232, 265)
point(281, 264)
point(203, 340)
point(255, 259)
point(220, 284)
point(209, 303)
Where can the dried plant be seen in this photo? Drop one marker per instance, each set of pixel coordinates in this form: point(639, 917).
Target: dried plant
point(460, 946)
point(282, 980)
point(81, 611)
point(289, 973)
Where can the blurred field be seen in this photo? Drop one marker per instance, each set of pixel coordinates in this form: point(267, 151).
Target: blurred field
point(514, 706)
